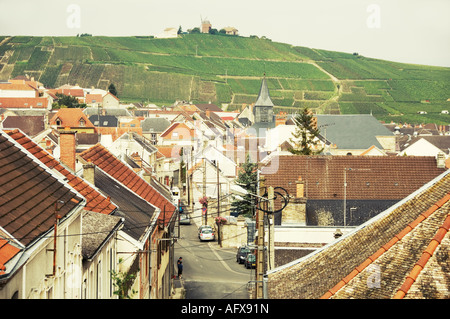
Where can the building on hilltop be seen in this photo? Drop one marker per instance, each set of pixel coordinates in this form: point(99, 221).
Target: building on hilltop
point(206, 26)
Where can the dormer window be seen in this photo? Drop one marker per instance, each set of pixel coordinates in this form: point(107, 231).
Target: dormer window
point(58, 122)
point(82, 122)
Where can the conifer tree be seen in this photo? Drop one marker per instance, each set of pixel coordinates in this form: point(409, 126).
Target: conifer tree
point(247, 179)
point(112, 89)
point(305, 135)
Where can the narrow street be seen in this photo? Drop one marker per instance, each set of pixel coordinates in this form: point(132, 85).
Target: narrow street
point(210, 272)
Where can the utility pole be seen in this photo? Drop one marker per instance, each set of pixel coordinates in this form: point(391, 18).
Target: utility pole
point(271, 226)
point(260, 261)
point(191, 178)
point(218, 203)
point(204, 190)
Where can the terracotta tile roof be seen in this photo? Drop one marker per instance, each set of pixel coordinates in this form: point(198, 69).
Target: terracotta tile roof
point(95, 201)
point(24, 102)
point(402, 253)
point(172, 151)
point(68, 91)
point(17, 87)
point(28, 193)
point(90, 98)
point(71, 117)
point(114, 167)
point(7, 251)
point(370, 177)
point(186, 132)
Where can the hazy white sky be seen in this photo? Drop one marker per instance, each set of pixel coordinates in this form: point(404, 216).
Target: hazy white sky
point(411, 31)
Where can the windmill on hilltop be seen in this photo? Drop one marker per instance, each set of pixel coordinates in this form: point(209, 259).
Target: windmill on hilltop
point(205, 25)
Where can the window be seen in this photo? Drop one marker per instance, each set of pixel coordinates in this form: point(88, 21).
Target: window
point(82, 122)
point(58, 121)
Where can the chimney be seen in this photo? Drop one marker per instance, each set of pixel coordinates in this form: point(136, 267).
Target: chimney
point(440, 160)
point(89, 172)
point(67, 145)
point(295, 212)
point(49, 146)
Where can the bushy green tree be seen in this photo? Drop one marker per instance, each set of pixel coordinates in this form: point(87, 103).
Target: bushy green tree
point(112, 89)
point(305, 135)
point(68, 101)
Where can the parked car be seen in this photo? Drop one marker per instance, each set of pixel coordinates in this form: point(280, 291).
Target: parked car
point(185, 219)
point(242, 254)
point(250, 261)
point(203, 227)
point(207, 234)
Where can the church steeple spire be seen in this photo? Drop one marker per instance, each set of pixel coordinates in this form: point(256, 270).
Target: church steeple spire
point(263, 109)
point(264, 95)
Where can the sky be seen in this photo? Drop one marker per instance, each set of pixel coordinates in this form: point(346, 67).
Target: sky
point(409, 31)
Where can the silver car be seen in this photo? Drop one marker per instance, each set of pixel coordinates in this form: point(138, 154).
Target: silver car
point(185, 219)
point(203, 227)
point(206, 234)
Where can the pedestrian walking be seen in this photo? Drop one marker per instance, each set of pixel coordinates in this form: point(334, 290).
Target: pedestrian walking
point(180, 267)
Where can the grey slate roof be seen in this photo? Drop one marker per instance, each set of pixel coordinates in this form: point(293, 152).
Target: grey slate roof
point(352, 131)
point(157, 124)
point(138, 213)
point(105, 120)
point(264, 95)
point(97, 228)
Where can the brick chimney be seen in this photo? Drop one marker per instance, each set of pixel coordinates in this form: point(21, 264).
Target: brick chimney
point(67, 146)
point(295, 212)
point(48, 146)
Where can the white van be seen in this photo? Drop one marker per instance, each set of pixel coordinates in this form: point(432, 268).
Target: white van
point(176, 195)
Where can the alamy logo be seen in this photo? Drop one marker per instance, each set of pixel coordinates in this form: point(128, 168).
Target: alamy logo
point(374, 19)
point(74, 19)
point(374, 279)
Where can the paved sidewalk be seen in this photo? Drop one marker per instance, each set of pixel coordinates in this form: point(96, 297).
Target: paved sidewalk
point(178, 289)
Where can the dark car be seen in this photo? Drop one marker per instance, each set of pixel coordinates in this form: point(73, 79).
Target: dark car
point(242, 254)
point(250, 261)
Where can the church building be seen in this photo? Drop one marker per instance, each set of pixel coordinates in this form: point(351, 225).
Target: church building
point(263, 109)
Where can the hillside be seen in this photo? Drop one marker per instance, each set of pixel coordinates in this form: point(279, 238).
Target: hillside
point(228, 70)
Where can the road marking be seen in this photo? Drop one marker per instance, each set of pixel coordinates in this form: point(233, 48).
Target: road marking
point(221, 260)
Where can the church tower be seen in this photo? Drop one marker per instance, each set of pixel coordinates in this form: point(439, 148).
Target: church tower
point(263, 109)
